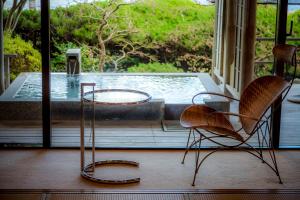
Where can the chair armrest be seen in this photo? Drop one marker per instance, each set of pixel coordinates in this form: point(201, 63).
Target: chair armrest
point(232, 114)
point(215, 94)
point(239, 115)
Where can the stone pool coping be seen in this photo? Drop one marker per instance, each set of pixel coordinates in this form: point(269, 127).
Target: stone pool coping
point(62, 109)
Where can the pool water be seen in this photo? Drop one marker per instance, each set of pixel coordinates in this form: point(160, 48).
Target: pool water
point(174, 89)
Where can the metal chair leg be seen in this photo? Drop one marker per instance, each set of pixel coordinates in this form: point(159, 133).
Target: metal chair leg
point(260, 144)
point(272, 153)
point(263, 140)
point(197, 154)
point(187, 147)
point(276, 167)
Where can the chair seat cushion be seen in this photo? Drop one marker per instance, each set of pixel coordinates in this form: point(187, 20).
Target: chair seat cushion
point(204, 117)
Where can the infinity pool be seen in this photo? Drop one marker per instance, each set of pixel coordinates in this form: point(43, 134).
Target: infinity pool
point(174, 89)
point(171, 94)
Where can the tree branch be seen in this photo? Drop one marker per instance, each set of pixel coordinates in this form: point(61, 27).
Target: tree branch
point(14, 14)
point(17, 15)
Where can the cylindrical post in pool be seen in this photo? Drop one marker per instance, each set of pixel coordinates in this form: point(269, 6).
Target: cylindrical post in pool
point(73, 61)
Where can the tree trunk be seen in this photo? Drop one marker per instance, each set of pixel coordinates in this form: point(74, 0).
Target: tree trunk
point(102, 53)
point(14, 14)
point(17, 15)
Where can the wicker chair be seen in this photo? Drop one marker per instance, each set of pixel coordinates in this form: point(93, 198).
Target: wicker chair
point(254, 116)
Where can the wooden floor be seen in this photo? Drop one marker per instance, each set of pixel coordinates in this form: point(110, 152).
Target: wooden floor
point(108, 135)
point(140, 134)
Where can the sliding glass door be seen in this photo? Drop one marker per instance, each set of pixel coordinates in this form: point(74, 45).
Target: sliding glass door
point(289, 134)
point(264, 63)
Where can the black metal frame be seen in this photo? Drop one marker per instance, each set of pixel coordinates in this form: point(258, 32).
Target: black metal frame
point(280, 38)
point(1, 49)
point(45, 49)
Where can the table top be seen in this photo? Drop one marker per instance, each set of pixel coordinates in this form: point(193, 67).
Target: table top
point(116, 96)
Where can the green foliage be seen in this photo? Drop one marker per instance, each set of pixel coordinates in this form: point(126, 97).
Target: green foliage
point(266, 24)
point(295, 17)
point(28, 26)
point(74, 24)
point(172, 31)
point(28, 59)
point(88, 62)
point(30, 19)
point(265, 20)
point(156, 21)
point(154, 67)
point(174, 21)
point(263, 69)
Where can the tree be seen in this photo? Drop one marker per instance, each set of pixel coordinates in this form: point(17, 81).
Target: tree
point(130, 48)
point(107, 12)
point(14, 14)
point(108, 32)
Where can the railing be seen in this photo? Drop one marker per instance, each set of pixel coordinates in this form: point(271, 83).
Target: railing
point(273, 39)
point(7, 59)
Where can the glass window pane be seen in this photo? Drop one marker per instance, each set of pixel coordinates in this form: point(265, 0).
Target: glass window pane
point(265, 38)
point(144, 37)
point(290, 111)
point(20, 109)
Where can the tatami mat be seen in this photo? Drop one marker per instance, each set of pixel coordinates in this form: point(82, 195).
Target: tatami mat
point(159, 170)
point(149, 196)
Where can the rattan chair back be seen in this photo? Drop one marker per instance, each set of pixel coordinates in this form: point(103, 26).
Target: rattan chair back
point(258, 97)
point(285, 53)
point(262, 92)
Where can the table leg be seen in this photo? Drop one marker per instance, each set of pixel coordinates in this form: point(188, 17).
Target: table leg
point(87, 170)
point(82, 148)
point(93, 131)
point(85, 173)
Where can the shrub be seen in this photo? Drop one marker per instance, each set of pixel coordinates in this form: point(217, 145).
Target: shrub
point(194, 63)
point(154, 67)
point(28, 59)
